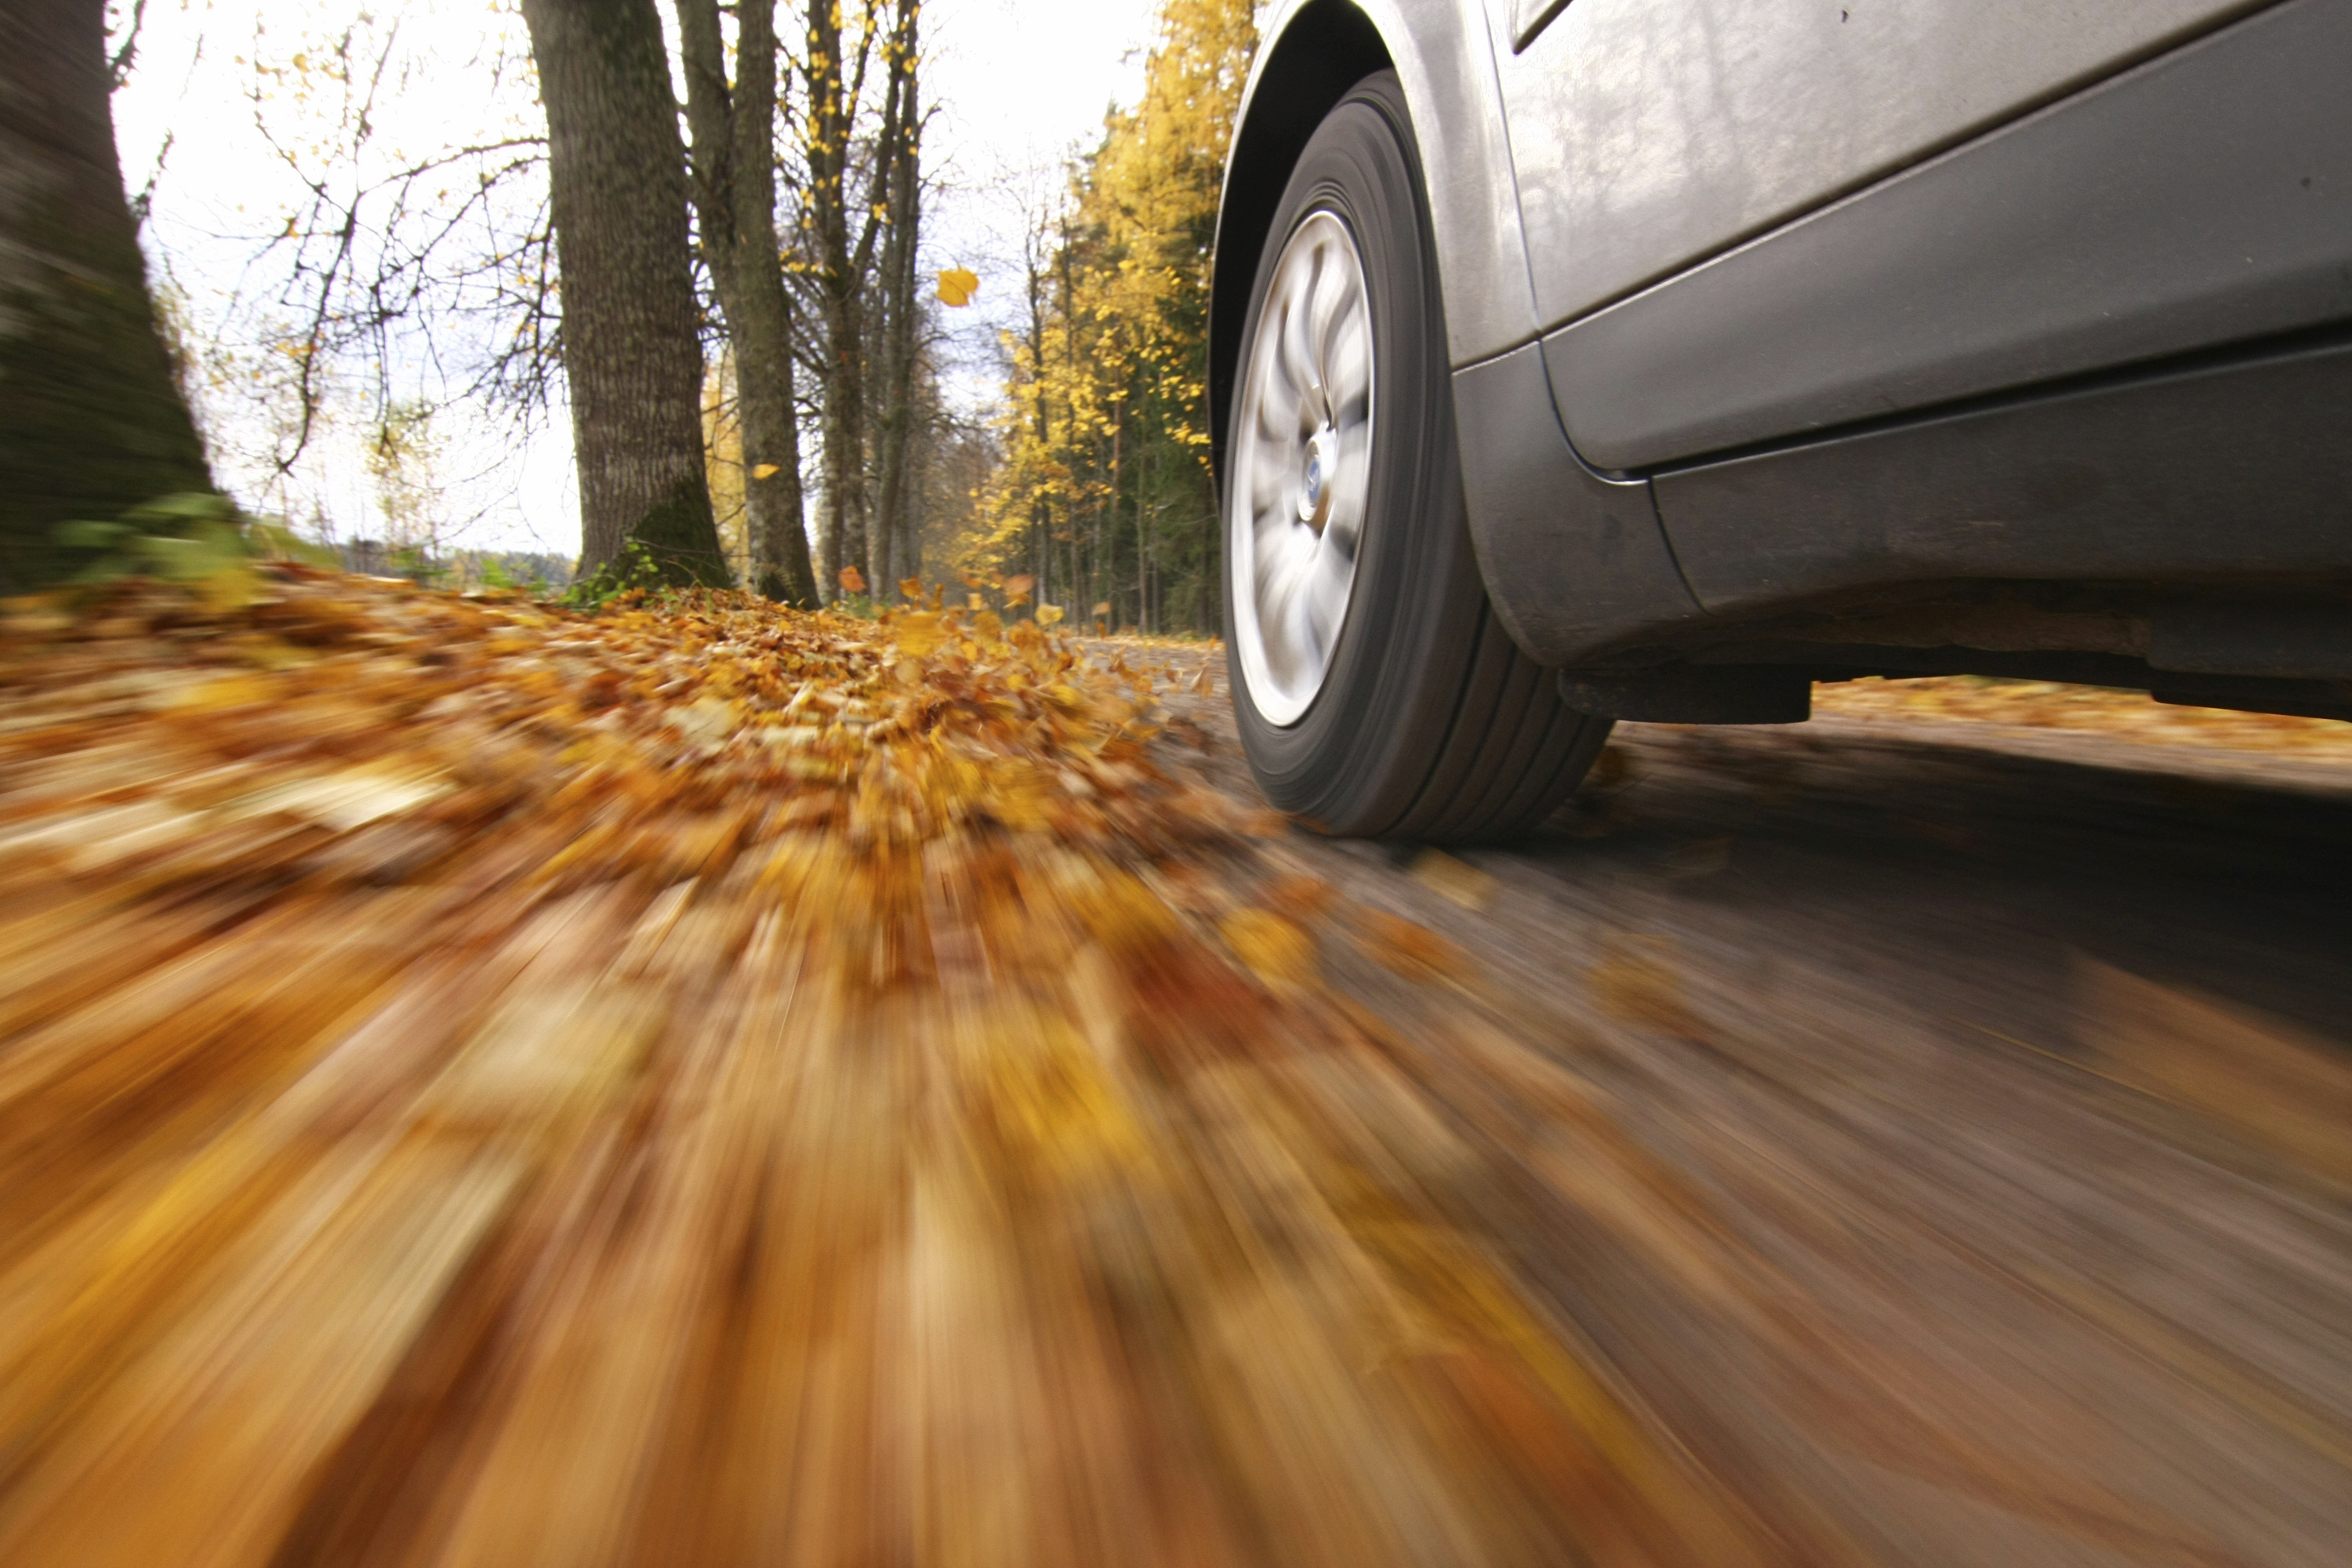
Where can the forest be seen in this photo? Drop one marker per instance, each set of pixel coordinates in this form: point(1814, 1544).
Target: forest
point(704, 248)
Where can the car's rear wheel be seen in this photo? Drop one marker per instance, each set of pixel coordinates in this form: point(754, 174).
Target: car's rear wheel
point(1376, 693)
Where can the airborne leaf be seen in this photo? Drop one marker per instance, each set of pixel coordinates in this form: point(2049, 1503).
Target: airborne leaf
point(957, 286)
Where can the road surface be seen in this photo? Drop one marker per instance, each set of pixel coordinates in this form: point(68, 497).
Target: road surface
point(1941, 1134)
point(484, 1084)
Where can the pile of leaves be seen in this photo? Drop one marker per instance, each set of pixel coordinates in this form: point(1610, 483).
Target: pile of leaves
point(481, 1082)
point(2040, 704)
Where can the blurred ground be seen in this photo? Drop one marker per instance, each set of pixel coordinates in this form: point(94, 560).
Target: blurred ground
point(481, 1086)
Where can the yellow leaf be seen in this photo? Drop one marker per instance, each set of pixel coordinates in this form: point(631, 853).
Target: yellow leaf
point(957, 286)
point(1275, 951)
point(765, 471)
point(912, 587)
point(1450, 879)
point(1016, 589)
point(917, 633)
point(1048, 613)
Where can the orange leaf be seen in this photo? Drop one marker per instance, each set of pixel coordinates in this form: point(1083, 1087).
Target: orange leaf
point(1410, 949)
point(853, 581)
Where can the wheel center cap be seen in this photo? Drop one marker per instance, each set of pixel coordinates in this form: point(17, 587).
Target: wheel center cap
point(1314, 484)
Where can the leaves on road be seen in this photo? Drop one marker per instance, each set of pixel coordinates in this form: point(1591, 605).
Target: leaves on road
point(480, 1082)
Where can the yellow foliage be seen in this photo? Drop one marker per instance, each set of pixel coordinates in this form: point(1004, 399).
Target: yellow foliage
point(1119, 357)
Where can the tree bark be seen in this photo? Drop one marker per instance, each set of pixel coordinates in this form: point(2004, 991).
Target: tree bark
point(892, 530)
point(843, 263)
point(90, 421)
point(734, 184)
point(828, 166)
point(616, 185)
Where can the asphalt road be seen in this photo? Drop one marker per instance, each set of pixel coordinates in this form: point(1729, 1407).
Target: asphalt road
point(1945, 1151)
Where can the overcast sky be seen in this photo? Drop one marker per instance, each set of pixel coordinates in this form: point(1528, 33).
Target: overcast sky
point(1016, 85)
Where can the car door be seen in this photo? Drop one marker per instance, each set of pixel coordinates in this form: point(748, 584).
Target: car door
point(1649, 135)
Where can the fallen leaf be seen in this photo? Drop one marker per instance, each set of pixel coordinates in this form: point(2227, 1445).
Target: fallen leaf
point(1410, 949)
point(1273, 949)
point(918, 633)
point(1635, 983)
point(1453, 879)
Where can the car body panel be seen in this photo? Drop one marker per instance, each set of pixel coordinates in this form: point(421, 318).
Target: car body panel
point(2042, 300)
point(2095, 483)
point(1573, 561)
point(1649, 135)
point(2202, 198)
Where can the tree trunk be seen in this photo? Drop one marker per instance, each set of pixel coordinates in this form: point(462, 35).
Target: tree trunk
point(844, 264)
point(734, 184)
point(616, 184)
point(90, 422)
point(842, 429)
point(899, 256)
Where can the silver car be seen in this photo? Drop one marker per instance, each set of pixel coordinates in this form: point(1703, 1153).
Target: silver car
point(1655, 359)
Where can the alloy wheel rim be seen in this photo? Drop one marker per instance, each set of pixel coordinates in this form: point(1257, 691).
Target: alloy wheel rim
point(1294, 526)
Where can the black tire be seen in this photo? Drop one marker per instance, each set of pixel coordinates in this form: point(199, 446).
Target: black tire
point(1431, 724)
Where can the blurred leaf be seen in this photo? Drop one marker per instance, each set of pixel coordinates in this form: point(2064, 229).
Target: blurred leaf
point(918, 634)
point(1273, 949)
point(1636, 982)
point(1453, 879)
point(957, 286)
point(1410, 949)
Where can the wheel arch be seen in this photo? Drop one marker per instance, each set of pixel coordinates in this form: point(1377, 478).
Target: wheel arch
point(1313, 52)
point(1318, 50)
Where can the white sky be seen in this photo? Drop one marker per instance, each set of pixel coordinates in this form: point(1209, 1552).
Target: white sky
point(1016, 85)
